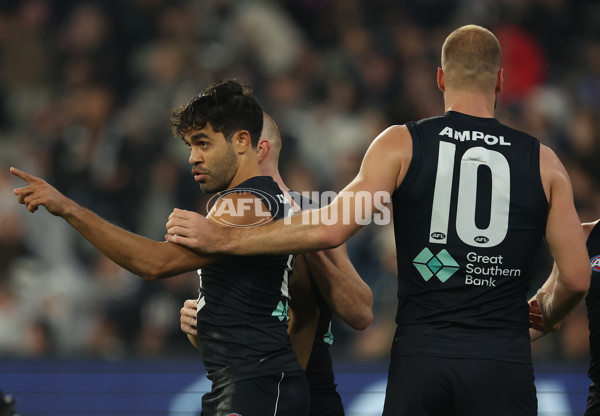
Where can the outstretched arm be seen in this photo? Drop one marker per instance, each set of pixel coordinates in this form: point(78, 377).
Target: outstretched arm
point(569, 282)
point(382, 170)
point(142, 256)
point(341, 286)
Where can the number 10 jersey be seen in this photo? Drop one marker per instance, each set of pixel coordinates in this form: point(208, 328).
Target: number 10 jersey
point(468, 218)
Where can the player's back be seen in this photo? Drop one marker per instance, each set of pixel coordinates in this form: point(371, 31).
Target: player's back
point(242, 307)
point(468, 217)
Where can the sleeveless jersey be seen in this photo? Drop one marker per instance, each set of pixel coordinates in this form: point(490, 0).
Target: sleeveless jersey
point(592, 302)
point(319, 370)
point(242, 307)
point(468, 220)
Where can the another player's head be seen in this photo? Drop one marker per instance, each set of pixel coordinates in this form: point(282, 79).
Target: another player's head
point(269, 147)
point(471, 58)
point(221, 126)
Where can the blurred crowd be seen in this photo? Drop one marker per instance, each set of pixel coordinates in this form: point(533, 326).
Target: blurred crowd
point(87, 88)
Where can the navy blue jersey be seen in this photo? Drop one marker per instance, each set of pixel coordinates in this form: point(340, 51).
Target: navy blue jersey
point(592, 302)
point(319, 370)
point(242, 306)
point(468, 219)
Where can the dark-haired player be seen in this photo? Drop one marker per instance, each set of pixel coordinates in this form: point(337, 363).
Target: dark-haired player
point(319, 279)
point(241, 321)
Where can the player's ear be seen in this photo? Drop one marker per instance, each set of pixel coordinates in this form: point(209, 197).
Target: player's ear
point(241, 141)
point(440, 80)
point(499, 81)
point(263, 148)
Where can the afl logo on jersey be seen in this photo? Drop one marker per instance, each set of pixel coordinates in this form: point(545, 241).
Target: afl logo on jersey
point(481, 239)
point(438, 236)
point(261, 206)
point(595, 263)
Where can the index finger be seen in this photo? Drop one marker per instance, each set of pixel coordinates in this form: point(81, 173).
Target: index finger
point(27, 177)
point(181, 213)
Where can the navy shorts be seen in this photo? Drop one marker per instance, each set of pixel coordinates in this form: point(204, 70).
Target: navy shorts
point(282, 394)
point(326, 404)
point(437, 386)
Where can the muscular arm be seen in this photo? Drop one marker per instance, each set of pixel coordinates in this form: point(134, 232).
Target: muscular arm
point(304, 316)
point(548, 287)
point(383, 168)
point(569, 282)
point(142, 256)
point(341, 286)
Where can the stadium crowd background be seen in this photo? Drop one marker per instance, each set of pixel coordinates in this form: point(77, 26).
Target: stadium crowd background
point(86, 90)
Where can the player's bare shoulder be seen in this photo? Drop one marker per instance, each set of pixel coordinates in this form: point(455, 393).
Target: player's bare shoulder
point(396, 144)
point(239, 209)
point(552, 171)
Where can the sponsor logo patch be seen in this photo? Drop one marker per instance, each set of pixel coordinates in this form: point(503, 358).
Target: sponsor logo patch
point(595, 263)
point(441, 265)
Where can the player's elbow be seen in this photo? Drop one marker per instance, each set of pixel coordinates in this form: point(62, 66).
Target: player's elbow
point(581, 285)
point(364, 315)
point(578, 283)
point(152, 275)
point(362, 320)
point(329, 237)
point(156, 270)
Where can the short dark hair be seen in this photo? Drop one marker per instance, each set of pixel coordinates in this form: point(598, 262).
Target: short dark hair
point(227, 105)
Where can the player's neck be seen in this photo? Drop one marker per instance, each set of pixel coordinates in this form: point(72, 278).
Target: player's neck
point(471, 103)
point(246, 170)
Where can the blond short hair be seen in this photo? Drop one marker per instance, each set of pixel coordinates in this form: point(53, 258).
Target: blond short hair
point(471, 58)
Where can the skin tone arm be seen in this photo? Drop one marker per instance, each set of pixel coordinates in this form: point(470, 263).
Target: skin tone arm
point(303, 313)
point(570, 278)
point(341, 286)
point(537, 331)
point(392, 148)
point(144, 257)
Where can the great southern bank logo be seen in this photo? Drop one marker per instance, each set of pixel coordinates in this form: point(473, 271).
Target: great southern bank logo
point(595, 263)
point(441, 265)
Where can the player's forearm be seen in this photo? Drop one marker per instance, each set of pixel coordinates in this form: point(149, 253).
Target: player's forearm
point(285, 236)
point(137, 254)
point(342, 287)
point(564, 299)
point(309, 231)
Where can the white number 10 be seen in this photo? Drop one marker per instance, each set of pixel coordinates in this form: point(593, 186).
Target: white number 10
point(466, 228)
